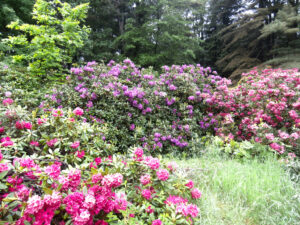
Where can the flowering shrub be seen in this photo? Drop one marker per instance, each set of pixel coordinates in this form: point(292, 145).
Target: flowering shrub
point(264, 106)
point(162, 114)
point(55, 168)
point(112, 190)
point(58, 133)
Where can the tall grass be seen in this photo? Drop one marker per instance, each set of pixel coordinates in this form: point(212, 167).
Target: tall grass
point(249, 192)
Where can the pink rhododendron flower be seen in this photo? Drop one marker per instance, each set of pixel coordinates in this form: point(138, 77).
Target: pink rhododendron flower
point(146, 193)
point(34, 143)
point(53, 171)
point(190, 184)
point(7, 101)
point(162, 174)
point(19, 125)
point(34, 204)
point(270, 136)
point(6, 141)
point(1, 156)
point(23, 193)
point(149, 210)
point(186, 210)
point(172, 166)
point(145, 179)
point(27, 125)
point(7, 94)
point(54, 200)
point(2, 130)
point(138, 152)
point(98, 160)
point(277, 147)
point(153, 163)
point(3, 167)
point(78, 111)
point(41, 121)
point(283, 135)
point(82, 218)
point(75, 144)
point(293, 114)
point(26, 162)
point(89, 201)
point(96, 178)
point(80, 154)
point(156, 222)
point(196, 193)
point(51, 142)
point(174, 200)
point(57, 112)
point(112, 180)
point(295, 136)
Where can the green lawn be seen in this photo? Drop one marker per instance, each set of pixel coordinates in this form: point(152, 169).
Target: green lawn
point(236, 192)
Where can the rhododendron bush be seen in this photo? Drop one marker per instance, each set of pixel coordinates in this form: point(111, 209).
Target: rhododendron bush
point(55, 168)
point(264, 107)
point(169, 111)
point(162, 113)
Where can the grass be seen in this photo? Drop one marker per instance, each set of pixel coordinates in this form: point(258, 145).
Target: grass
point(249, 192)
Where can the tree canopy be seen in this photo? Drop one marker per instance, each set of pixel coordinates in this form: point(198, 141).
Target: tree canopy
point(231, 36)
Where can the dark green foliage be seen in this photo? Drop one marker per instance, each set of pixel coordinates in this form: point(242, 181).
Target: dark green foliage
point(285, 28)
point(12, 10)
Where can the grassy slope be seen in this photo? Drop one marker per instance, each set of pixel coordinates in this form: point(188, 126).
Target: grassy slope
point(236, 192)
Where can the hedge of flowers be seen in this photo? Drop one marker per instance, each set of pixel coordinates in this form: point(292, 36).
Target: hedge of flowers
point(55, 168)
point(167, 112)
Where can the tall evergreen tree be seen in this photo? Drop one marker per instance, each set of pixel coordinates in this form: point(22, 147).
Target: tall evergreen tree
point(285, 30)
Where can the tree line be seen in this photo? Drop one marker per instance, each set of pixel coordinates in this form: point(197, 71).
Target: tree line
point(229, 35)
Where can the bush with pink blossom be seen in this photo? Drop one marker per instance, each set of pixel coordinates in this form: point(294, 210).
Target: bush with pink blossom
point(264, 107)
point(116, 189)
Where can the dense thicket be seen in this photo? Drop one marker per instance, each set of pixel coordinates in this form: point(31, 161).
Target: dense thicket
point(230, 36)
